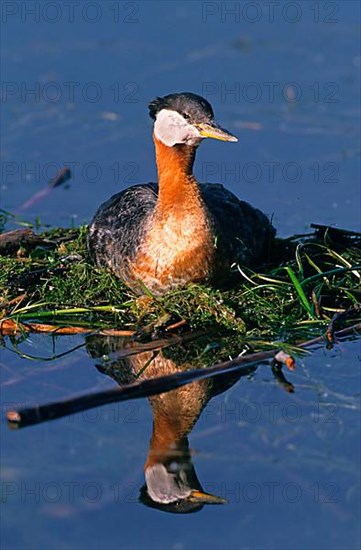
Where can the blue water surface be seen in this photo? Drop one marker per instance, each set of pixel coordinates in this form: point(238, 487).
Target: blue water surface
point(288, 464)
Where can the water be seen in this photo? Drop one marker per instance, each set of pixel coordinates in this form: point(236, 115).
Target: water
point(287, 463)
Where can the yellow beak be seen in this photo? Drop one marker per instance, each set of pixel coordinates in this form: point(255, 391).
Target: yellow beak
point(214, 131)
point(205, 498)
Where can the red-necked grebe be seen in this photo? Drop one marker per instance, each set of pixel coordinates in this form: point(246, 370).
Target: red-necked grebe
point(178, 231)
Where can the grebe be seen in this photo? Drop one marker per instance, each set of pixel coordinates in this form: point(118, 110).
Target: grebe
point(161, 236)
point(171, 481)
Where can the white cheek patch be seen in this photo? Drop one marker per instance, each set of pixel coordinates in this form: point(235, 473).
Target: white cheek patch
point(166, 487)
point(172, 129)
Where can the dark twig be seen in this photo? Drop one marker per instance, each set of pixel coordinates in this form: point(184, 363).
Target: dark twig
point(339, 317)
point(61, 177)
point(10, 327)
point(329, 228)
point(281, 379)
point(11, 241)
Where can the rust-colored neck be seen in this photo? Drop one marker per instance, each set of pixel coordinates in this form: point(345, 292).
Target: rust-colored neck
point(175, 173)
point(166, 441)
point(174, 417)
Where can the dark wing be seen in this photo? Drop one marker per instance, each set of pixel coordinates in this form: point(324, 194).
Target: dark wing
point(119, 224)
point(243, 233)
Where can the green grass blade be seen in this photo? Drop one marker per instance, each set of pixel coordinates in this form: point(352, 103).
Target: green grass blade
point(300, 292)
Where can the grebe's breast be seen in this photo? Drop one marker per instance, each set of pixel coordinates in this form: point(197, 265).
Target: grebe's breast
point(185, 243)
point(178, 247)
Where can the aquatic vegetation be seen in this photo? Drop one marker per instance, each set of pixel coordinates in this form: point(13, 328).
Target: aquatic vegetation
point(313, 280)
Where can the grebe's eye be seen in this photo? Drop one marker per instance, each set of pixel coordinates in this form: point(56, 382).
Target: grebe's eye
point(186, 116)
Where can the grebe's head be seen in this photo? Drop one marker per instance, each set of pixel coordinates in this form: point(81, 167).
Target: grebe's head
point(185, 118)
point(173, 486)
